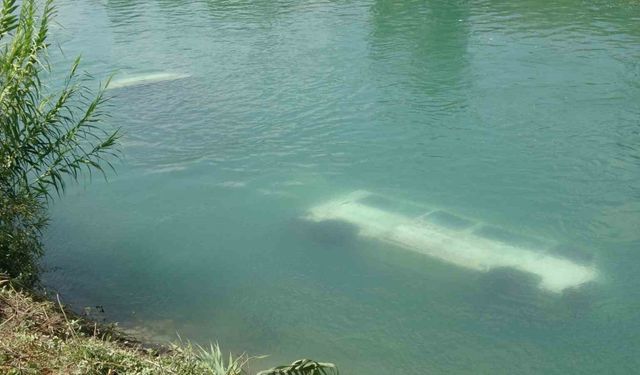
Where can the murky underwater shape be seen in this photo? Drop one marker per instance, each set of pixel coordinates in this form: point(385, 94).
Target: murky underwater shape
point(242, 117)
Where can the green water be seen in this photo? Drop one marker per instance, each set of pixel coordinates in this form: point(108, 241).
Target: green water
point(521, 114)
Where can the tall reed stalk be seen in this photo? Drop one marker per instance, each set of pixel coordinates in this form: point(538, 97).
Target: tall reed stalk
point(47, 137)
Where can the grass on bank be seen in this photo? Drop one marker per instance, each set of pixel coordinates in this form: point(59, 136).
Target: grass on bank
point(39, 336)
point(49, 137)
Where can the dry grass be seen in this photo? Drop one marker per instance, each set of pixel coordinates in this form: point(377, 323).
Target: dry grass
point(40, 337)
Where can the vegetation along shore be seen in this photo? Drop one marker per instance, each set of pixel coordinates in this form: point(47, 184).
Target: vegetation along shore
point(48, 138)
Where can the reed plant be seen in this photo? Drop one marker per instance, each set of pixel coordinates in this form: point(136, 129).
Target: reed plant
point(47, 136)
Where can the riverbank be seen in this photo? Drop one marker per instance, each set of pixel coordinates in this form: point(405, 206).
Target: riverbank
point(39, 336)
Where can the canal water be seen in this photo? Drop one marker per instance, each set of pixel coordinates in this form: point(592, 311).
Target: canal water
point(519, 116)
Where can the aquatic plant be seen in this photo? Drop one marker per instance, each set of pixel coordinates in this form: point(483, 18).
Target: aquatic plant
point(46, 136)
point(214, 361)
point(303, 367)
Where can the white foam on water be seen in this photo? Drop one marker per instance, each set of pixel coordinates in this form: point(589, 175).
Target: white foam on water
point(460, 247)
point(145, 79)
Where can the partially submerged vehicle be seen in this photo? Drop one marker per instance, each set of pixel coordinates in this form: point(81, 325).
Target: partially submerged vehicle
point(451, 238)
point(145, 79)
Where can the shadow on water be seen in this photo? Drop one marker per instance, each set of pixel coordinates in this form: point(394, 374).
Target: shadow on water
point(330, 233)
point(595, 17)
point(504, 294)
point(418, 53)
point(506, 291)
point(423, 44)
